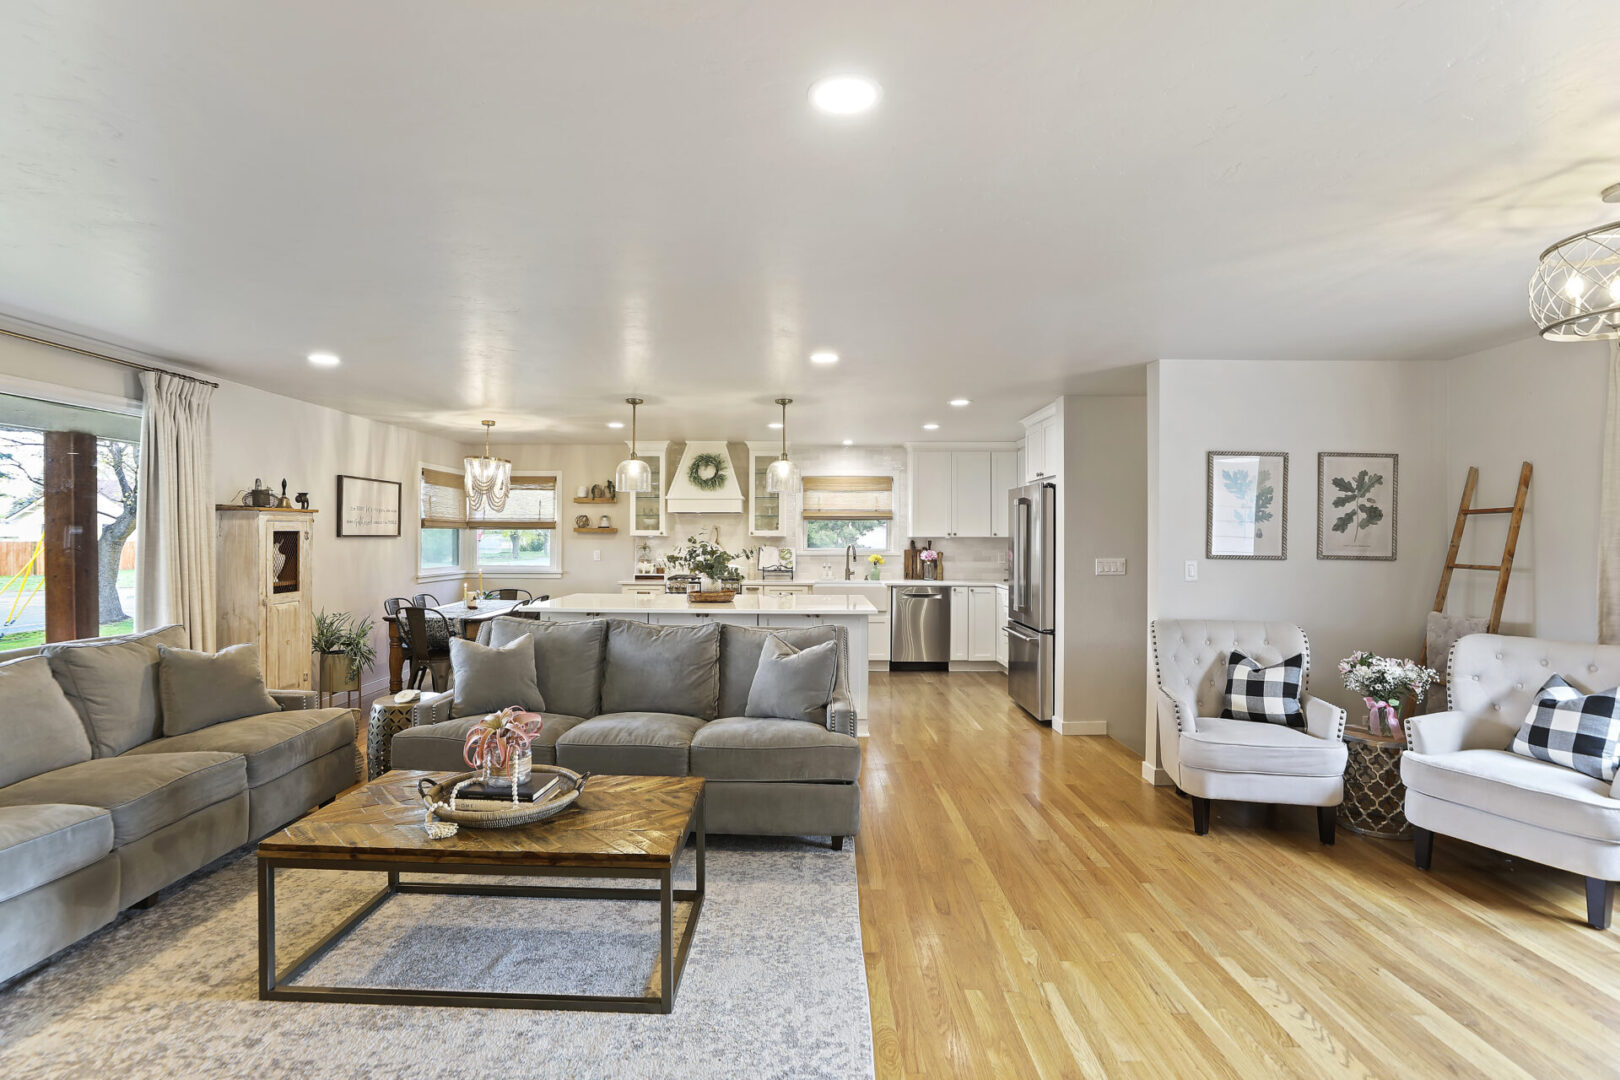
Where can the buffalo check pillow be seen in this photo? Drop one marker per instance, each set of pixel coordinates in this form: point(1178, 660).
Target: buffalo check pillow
point(1576, 730)
point(1267, 694)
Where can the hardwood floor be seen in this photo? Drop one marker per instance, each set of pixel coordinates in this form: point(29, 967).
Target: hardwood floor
point(1031, 908)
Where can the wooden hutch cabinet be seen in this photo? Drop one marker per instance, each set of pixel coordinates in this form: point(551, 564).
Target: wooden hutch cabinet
point(264, 565)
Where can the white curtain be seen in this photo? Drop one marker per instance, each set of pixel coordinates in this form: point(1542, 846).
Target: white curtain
point(174, 518)
point(1609, 520)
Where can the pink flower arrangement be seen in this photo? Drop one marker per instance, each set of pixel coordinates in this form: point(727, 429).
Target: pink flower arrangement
point(928, 555)
point(500, 739)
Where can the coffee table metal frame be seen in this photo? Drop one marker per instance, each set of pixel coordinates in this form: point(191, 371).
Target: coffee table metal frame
point(672, 953)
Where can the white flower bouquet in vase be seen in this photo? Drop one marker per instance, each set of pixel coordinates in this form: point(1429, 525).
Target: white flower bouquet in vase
point(1384, 683)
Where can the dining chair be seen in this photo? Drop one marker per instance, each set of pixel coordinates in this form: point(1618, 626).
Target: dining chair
point(425, 599)
point(522, 596)
point(427, 645)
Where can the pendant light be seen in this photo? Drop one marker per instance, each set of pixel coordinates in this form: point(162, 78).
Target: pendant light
point(1575, 291)
point(782, 478)
point(488, 479)
point(633, 474)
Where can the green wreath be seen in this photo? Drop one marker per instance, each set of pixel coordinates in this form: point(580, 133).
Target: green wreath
point(702, 463)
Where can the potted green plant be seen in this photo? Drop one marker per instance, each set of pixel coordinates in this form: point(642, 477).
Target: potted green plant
point(342, 644)
point(712, 561)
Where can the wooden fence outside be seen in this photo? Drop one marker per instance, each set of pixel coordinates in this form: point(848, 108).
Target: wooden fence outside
point(14, 555)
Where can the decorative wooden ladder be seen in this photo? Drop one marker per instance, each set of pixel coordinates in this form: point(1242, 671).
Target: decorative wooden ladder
point(1503, 569)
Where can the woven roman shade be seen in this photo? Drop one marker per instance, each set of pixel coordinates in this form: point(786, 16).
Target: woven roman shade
point(532, 504)
point(844, 497)
point(444, 500)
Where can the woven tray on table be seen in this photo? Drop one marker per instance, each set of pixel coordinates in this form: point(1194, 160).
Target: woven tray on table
point(510, 814)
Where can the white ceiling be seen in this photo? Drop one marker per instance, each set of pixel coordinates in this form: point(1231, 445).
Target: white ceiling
point(528, 210)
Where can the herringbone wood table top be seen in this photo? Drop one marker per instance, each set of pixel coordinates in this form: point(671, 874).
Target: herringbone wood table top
point(618, 821)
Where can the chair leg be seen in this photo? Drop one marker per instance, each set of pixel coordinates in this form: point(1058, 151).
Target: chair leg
point(1599, 903)
point(838, 843)
point(1200, 808)
point(1326, 819)
point(1422, 847)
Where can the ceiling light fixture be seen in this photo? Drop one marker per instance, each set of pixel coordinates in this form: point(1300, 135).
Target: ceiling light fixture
point(930, 427)
point(959, 403)
point(824, 356)
point(633, 474)
point(849, 442)
point(782, 477)
point(774, 425)
point(488, 479)
point(324, 359)
point(615, 424)
point(1575, 291)
point(845, 95)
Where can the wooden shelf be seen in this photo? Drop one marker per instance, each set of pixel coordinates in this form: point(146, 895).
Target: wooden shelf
point(593, 499)
point(265, 509)
point(594, 529)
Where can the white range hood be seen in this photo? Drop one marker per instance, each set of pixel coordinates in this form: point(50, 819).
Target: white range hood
point(685, 497)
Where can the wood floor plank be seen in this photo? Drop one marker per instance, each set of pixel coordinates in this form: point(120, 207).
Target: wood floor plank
point(1029, 907)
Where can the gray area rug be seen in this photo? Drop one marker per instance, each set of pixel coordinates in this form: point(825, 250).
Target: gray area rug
point(775, 986)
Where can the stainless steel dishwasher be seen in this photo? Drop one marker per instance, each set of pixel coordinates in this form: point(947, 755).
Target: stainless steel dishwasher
point(920, 627)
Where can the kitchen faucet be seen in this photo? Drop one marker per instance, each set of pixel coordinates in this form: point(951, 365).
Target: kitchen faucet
point(849, 562)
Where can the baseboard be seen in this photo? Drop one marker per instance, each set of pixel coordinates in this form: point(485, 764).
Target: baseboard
point(1154, 775)
point(877, 665)
point(1079, 727)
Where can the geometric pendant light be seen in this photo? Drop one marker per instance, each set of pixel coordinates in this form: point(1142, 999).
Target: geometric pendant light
point(633, 474)
point(488, 479)
point(1575, 291)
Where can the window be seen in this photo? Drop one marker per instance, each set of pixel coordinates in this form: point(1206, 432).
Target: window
point(522, 535)
point(444, 516)
point(844, 510)
point(77, 446)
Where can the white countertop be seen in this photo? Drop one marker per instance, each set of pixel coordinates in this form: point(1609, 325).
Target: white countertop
point(616, 603)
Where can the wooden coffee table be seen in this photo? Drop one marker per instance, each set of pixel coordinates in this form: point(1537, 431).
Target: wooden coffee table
point(621, 827)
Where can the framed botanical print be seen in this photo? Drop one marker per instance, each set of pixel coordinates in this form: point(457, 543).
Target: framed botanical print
point(1246, 503)
point(1356, 505)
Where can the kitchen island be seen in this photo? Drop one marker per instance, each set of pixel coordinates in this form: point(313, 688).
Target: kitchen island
point(854, 613)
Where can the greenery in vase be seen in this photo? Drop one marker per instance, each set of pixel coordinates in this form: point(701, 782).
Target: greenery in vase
point(709, 559)
point(342, 633)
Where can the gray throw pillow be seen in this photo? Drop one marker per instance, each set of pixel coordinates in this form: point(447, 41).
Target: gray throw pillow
point(113, 685)
point(739, 658)
point(568, 659)
point(201, 689)
point(792, 684)
point(40, 729)
point(486, 679)
point(667, 669)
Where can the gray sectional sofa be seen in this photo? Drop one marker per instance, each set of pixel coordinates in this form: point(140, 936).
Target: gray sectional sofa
point(99, 809)
point(628, 698)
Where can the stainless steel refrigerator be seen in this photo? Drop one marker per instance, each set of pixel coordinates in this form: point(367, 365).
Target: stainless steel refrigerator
point(1032, 598)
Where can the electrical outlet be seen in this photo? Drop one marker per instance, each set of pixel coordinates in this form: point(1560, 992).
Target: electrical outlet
point(1191, 570)
point(1110, 567)
point(596, 555)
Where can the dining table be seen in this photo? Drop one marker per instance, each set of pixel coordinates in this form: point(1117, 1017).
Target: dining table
point(464, 621)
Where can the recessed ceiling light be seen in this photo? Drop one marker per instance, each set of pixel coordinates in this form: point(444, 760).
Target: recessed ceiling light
point(324, 359)
point(959, 403)
point(930, 427)
point(774, 425)
point(824, 356)
point(845, 95)
point(849, 442)
point(615, 423)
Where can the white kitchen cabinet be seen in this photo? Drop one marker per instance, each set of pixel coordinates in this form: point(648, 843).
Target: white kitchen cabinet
point(641, 590)
point(647, 507)
point(1001, 628)
point(693, 618)
point(778, 589)
point(878, 640)
point(768, 514)
point(981, 623)
point(1043, 444)
point(961, 601)
point(804, 618)
point(970, 493)
point(1003, 478)
point(932, 490)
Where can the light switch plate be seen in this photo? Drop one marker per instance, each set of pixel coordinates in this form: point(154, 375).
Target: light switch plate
point(1110, 567)
point(1191, 570)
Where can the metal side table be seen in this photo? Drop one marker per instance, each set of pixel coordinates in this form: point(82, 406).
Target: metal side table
point(1374, 797)
point(388, 718)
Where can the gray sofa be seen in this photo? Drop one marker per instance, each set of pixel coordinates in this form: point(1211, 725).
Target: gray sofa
point(99, 810)
point(627, 698)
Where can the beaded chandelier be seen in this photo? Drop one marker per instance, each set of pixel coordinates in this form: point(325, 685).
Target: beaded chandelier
point(488, 479)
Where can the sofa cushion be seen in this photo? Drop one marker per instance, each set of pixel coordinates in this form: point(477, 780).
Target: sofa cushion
point(41, 843)
point(38, 727)
point(143, 792)
point(438, 747)
point(630, 743)
point(750, 748)
point(113, 686)
point(568, 658)
point(1523, 789)
point(274, 743)
point(1243, 746)
point(662, 669)
point(793, 684)
point(202, 688)
point(488, 679)
point(1578, 731)
point(740, 647)
point(1269, 695)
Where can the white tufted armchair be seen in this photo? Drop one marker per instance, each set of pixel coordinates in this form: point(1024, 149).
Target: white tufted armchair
point(1211, 758)
point(1462, 781)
